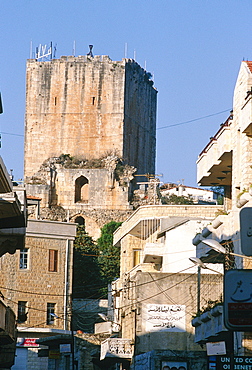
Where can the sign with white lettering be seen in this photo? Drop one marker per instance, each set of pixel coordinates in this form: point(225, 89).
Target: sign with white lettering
point(238, 300)
point(27, 342)
point(44, 51)
point(230, 362)
point(164, 317)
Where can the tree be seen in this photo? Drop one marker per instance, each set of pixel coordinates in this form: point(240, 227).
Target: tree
point(174, 199)
point(109, 255)
point(87, 280)
point(95, 265)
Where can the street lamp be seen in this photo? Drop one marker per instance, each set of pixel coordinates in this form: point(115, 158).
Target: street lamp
point(220, 249)
point(197, 261)
point(114, 325)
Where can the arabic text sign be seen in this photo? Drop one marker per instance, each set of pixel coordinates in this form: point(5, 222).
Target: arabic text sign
point(163, 317)
point(238, 300)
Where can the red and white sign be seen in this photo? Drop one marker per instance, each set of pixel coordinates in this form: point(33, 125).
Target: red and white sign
point(27, 342)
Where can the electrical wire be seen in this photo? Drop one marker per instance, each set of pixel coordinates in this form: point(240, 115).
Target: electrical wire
point(194, 120)
point(158, 128)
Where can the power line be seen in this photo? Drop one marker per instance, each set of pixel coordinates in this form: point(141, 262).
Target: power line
point(193, 120)
point(9, 133)
point(158, 128)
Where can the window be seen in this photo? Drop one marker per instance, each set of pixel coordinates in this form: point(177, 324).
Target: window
point(53, 260)
point(81, 189)
point(50, 313)
point(22, 311)
point(136, 257)
point(23, 261)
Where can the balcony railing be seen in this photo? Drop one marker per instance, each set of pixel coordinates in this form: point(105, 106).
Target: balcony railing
point(209, 325)
point(117, 347)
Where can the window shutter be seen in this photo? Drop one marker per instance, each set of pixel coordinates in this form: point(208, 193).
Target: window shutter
point(53, 260)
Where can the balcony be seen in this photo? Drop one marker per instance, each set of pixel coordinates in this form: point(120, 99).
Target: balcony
point(221, 225)
point(209, 326)
point(7, 324)
point(12, 214)
point(215, 161)
point(5, 181)
point(246, 116)
point(108, 327)
point(117, 347)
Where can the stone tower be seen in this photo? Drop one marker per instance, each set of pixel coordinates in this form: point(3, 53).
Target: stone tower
point(87, 107)
point(89, 121)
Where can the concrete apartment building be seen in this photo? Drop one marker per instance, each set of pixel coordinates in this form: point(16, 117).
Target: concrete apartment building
point(90, 125)
point(226, 161)
point(156, 295)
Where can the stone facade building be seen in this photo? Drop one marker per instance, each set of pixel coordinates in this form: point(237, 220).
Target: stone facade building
point(226, 161)
point(12, 237)
point(37, 284)
point(90, 124)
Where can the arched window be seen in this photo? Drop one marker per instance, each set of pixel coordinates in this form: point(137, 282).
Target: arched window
point(80, 220)
point(81, 190)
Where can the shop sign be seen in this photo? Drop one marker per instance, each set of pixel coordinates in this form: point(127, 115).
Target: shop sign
point(230, 363)
point(238, 300)
point(27, 342)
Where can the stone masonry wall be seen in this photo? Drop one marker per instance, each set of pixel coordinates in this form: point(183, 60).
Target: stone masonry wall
point(167, 289)
point(35, 285)
point(73, 105)
point(86, 106)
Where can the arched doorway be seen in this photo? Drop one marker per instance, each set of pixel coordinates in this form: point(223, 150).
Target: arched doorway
point(80, 220)
point(81, 189)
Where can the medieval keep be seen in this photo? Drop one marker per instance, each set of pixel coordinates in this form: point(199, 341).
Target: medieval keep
point(90, 125)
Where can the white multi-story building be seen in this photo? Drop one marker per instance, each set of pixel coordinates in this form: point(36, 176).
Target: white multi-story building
point(197, 195)
point(226, 160)
point(156, 294)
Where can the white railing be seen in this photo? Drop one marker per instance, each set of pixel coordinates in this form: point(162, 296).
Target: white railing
point(117, 347)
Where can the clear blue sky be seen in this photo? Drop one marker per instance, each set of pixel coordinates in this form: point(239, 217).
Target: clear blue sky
point(192, 47)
